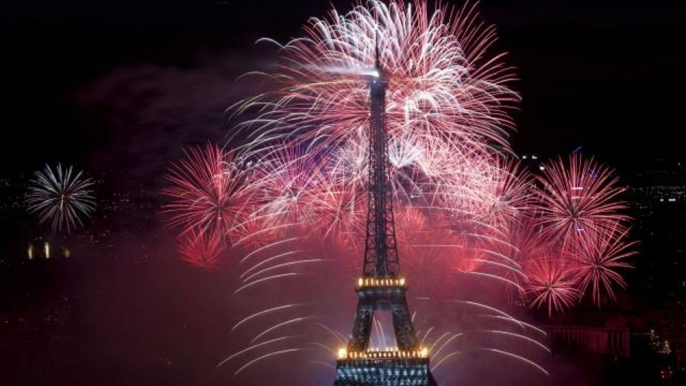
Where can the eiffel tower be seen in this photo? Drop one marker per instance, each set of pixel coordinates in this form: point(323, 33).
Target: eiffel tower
point(381, 288)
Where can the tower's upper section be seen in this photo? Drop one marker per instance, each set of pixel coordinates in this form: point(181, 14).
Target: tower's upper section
point(381, 254)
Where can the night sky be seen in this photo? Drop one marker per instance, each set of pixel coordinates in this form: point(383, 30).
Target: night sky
point(122, 85)
point(118, 87)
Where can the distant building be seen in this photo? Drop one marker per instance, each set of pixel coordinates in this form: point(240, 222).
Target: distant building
point(609, 339)
point(657, 197)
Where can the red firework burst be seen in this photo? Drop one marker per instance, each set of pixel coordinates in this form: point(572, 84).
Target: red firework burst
point(552, 282)
point(201, 248)
point(208, 192)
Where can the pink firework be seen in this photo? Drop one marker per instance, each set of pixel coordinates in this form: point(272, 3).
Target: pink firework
point(208, 191)
point(471, 187)
point(599, 262)
point(552, 283)
point(201, 248)
point(579, 198)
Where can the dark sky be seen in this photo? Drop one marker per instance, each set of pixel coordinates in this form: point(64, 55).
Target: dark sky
point(121, 85)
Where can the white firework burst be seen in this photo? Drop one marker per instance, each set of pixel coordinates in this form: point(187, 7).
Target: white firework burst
point(61, 196)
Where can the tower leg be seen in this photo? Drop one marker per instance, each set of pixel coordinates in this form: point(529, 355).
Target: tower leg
point(363, 326)
point(402, 324)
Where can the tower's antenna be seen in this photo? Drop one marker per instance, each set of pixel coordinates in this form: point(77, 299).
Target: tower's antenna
point(377, 64)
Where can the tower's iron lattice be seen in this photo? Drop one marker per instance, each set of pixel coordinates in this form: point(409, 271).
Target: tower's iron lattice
point(381, 288)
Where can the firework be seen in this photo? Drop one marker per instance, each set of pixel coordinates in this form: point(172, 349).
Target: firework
point(201, 248)
point(340, 210)
point(579, 201)
point(505, 196)
point(552, 282)
point(61, 197)
point(208, 192)
point(600, 260)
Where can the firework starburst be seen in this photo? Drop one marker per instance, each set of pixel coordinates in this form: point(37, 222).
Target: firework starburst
point(61, 196)
point(208, 191)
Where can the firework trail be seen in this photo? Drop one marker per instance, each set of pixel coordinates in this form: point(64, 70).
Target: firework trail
point(61, 197)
